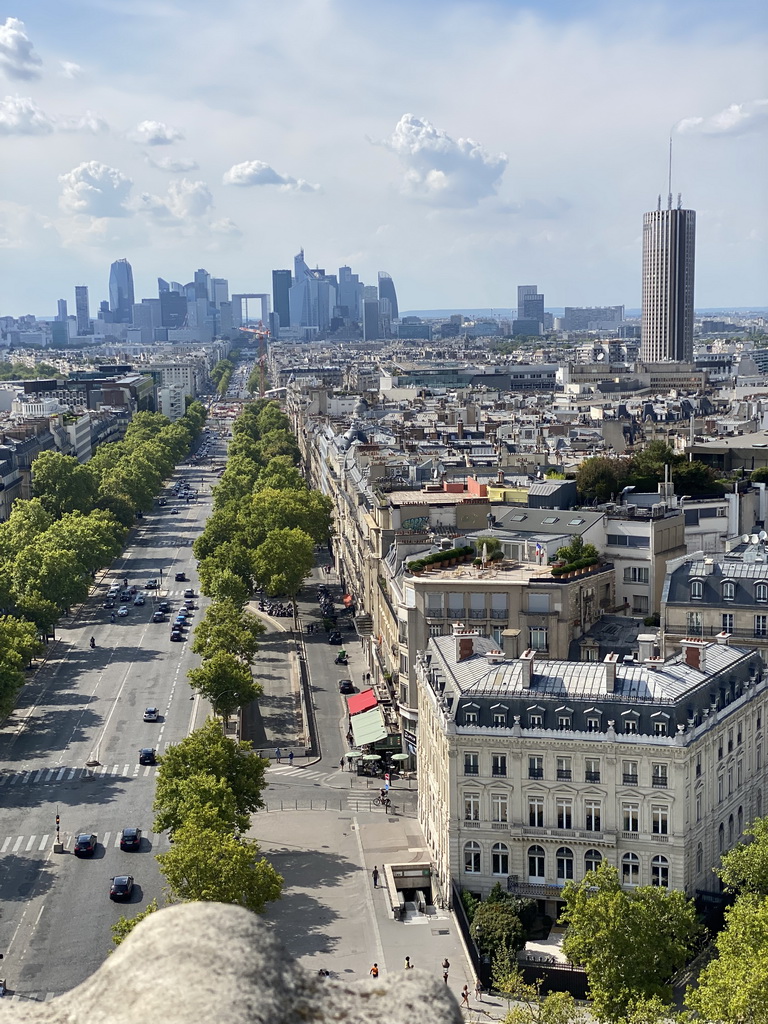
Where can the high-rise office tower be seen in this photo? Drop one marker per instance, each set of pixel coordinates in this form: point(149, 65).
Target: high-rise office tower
point(530, 304)
point(162, 286)
point(82, 311)
point(669, 249)
point(219, 290)
point(281, 290)
point(121, 291)
point(350, 292)
point(61, 314)
point(202, 284)
point(371, 320)
point(523, 292)
point(387, 291)
point(173, 309)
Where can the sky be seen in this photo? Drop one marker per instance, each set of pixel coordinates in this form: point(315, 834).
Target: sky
point(464, 147)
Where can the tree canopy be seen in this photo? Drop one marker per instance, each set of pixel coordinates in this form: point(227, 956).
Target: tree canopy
point(745, 867)
point(602, 478)
point(224, 681)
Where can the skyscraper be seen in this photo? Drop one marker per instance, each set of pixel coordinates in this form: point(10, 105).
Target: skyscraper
point(202, 284)
point(669, 249)
point(281, 289)
point(524, 291)
point(61, 314)
point(530, 304)
point(387, 291)
point(82, 311)
point(370, 319)
point(121, 291)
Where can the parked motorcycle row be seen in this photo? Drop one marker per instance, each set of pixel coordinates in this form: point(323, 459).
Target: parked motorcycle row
point(276, 609)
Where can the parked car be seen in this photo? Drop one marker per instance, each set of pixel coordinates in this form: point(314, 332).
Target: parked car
point(130, 839)
point(85, 844)
point(121, 887)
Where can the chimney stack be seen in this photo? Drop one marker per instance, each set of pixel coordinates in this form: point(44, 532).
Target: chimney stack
point(460, 429)
point(526, 660)
point(465, 641)
point(694, 652)
point(610, 661)
point(646, 647)
point(510, 642)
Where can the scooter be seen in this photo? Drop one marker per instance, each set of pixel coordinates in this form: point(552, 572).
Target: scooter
point(93, 643)
point(341, 658)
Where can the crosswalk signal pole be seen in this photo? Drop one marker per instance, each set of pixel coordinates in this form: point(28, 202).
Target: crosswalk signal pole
point(58, 823)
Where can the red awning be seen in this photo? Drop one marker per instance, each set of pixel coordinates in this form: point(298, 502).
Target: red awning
point(361, 702)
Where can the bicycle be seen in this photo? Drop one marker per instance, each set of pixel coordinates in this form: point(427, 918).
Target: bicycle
point(382, 802)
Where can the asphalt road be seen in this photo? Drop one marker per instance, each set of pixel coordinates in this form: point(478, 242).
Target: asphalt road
point(86, 707)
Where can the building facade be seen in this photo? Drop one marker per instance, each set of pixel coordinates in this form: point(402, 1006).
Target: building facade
point(121, 297)
point(669, 245)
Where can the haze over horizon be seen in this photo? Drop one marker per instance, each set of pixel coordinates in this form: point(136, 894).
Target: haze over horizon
point(464, 147)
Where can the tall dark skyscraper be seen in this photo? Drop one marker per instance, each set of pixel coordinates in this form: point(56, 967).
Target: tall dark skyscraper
point(173, 309)
point(669, 249)
point(121, 291)
point(281, 288)
point(82, 310)
point(387, 291)
point(61, 314)
point(530, 304)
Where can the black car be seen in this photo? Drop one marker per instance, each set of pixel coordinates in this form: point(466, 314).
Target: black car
point(85, 844)
point(151, 585)
point(334, 637)
point(130, 839)
point(176, 634)
point(109, 603)
point(164, 606)
point(346, 686)
point(146, 756)
point(158, 616)
point(161, 501)
point(180, 577)
point(121, 887)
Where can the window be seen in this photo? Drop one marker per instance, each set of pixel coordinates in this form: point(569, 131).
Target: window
point(693, 623)
point(730, 740)
point(697, 590)
point(538, 638)
point(564, 808)
point(728, 622)
point(640, 604)
point(535, 864)
point(536, 811)
point(472, 858)
point(593, 725)
point(550, 520)
point(564, 769)
point(592, 769)
point(538, 602)
point(729, 591)
point(470, 718)
point(564, 858)
point(631, 815)
point(535, 767)
point(500, 718)
point(699, 858)
point(435, 630)
point(659, 728)
point(759, 756)
point(471, 807)
point(471, 764)
point(629, 773)
point(730, 830)
point(624, 540)
point(660, 871)
point(739, 773)
point(499, 859)
point(636, 574)
point(740, 821)
point(698, 766)
point(660, 819)
point(761, 591)
point(575, 522)
point(564, 722)
point(730, 781)
point(698, 807)
point(659, 776)
point(761, 625)
point(720, 789)
point(630, 869)
point(535, 721)
point(499, 807)
point(630, 725)
point(592, 860)
point(499, 764)
point(592, 815)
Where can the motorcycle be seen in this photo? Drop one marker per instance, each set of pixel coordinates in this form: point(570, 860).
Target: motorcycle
point(341, 658)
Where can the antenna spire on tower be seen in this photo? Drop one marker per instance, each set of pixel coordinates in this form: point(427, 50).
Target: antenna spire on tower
point(669, 183)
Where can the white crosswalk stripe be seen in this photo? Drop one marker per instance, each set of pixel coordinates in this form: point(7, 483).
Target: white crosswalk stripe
point(43, 843)
point(52, 776)
point(31, 844)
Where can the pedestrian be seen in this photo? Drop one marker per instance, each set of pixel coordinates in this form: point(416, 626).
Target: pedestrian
point(408, 965)
point(290, 757)
point(375, 876)
point(341, 763)
point(278, 755)
point(465, 997)
point(479, 991)
point(374, 971)
point(446, 965)
point(445, 977)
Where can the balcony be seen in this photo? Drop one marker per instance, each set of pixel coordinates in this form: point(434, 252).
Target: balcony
point(633, 835)
point(471, 769)
point(477, 613)
point(564, 774)
point(471, 824)
point(659, 782)
point(657, 838)
point(456, 613)
point(591, 776)
point(499, 613)
point(535, 773)
point(499, 772)
point(629, 780)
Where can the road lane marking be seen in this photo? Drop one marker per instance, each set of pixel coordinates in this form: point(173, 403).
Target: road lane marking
point(126, 770)
point(49, 774)
point(117, 840)
point(71, 773)
point(24, 778)
point(136, 771)
point(104, 769)
point(116, 769)
point(35, 776)
point(17, 844)
point(106, 838)
point(60, 774)
point(30, 844)
point(6, 844)
point(43, 843)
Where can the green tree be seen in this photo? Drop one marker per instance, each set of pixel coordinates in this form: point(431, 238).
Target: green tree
point(281, 475)
point(733, 989)
point(123, 927)
point(270, 417)
point(279, 442)
point(745, 867)
point(62, 484)
point(57, 574)
point(759, 476)
point(497, 923)
point(225, 681)
point(186, 795)
point(227, 627)
point(629, 943)
point(11, 681)
point(19, 642)
point(206, 863)
point(208, 751)
point(268, 510)
point(283, 561)
point(530, 1006)
point(28, 519)
point(600, 478)
point(222, 584)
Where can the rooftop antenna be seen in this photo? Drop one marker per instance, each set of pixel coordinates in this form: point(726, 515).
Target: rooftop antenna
point(669, 189)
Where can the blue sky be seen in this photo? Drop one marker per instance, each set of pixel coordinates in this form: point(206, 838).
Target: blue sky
point(463, 147)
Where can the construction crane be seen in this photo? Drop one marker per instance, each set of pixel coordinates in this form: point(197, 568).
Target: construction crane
point(262, 333)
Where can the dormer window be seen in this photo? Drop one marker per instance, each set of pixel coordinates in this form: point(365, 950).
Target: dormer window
point(761, 591)
point(470, 718)
point(729, 590)
point(697, 590)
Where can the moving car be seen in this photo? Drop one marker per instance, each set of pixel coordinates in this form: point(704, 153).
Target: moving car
point(180, 577)
point(121, 887)
point(138, 600)
point(334, 637)
point(177, 634)
point(161, 501)
point(189, 592)
point(122, 610)
point(346, 686)
point(151, 585)
point(147, 756)
point(125, 594)
point(189, 604)
point(151, 715)
point(158, 616)
point(85, 844)
point(109, 603)
point(130, 839)
point(164, 606)
point(174, 511)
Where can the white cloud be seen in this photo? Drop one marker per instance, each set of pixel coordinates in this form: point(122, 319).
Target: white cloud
point(155, 133)
point(20, 115)
point(95, 189)
point(178, 166)
point(442, 170)
point(23, 228)
point(87, 122)
point(256, 172)
point(186, 200)
point(226, 227)
point(70, 69)
point(17, 55)
point(737, 119)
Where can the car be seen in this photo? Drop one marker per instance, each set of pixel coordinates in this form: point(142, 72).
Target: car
point(180, 577)
point(189, 592)
point(174, 511)
point(334, 637)
point(121, 887)
point(177, 634)
point(130, 839)
point(158, 616)
point(139, 600)
point(151, 585)
point(122, 610)
point(147, 755)
point(346, 686)
point(151, 715)
point(125, 594)
point(109, 603)
point(85, 844)
point(161, 501)
point(164, 606)
point(189, 604)
point(182, 614)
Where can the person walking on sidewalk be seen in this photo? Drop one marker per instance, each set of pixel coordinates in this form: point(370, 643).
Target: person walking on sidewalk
point(465, 996)
point(290, 757)
point(479, 990)
point(446, 968)
point(374, 971)
point(278, 755)
point(375, 876)
point(408, 966)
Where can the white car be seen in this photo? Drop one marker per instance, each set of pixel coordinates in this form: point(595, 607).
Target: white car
point(123, 610)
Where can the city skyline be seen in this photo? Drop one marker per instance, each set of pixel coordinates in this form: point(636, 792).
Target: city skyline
point(180, 159)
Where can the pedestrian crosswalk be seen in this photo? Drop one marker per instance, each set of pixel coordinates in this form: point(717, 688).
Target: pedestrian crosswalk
point(30, 997)
point(286, 770)
point(40, 843)
point(35, 776)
